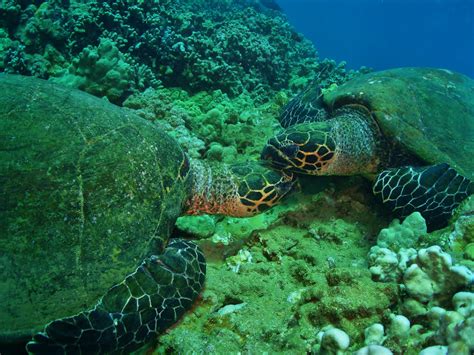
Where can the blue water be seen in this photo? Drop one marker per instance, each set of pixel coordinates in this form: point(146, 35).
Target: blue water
point(389, 33)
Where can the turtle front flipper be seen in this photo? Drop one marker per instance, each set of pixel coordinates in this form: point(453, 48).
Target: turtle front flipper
point(146, 303)
point(434, 191)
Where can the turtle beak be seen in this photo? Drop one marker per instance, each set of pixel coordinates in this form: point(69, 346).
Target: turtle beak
point(279, 156)
point(288, 185)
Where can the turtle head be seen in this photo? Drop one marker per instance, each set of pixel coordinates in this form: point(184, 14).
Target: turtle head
point(236, 190)
point(349, 143)
point(305, 148)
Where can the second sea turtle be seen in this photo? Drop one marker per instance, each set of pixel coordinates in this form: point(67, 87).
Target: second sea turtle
point(412, 129)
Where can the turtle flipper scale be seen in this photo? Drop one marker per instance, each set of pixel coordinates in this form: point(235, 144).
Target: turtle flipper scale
point(434, 191)
point(146, 303)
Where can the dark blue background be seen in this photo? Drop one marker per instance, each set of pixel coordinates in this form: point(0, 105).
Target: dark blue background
point(389, 33)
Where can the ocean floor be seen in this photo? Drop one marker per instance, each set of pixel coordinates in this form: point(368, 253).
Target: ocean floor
point(276, 282)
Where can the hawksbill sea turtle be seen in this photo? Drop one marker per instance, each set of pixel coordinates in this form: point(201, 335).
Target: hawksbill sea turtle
point(89, 195)
point(411, 129)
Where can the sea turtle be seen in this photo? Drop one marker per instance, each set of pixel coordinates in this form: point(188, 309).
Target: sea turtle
point(412, 126)
point(89, 195)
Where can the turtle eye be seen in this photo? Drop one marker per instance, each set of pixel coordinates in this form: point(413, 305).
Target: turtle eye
point(274, 156)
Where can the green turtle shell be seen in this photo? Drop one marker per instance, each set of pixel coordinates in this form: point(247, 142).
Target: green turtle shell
point(429, 112)
point(87, 191)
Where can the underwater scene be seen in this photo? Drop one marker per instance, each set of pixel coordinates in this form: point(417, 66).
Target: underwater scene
point(237, 177)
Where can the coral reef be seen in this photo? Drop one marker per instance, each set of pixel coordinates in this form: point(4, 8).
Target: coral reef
point(437, 293)
point(115, 48)
point(101, 71)
point(211, 124)
point(432, 277)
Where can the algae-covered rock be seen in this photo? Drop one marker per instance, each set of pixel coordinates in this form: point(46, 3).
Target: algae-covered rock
point(199, 226)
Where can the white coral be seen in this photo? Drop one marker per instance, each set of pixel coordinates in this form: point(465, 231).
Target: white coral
point(433, 276)
point(373, 350)
point(386, 265)
point(334, 341)
point(464, 303)
point(374, 335)
point(403, 235)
